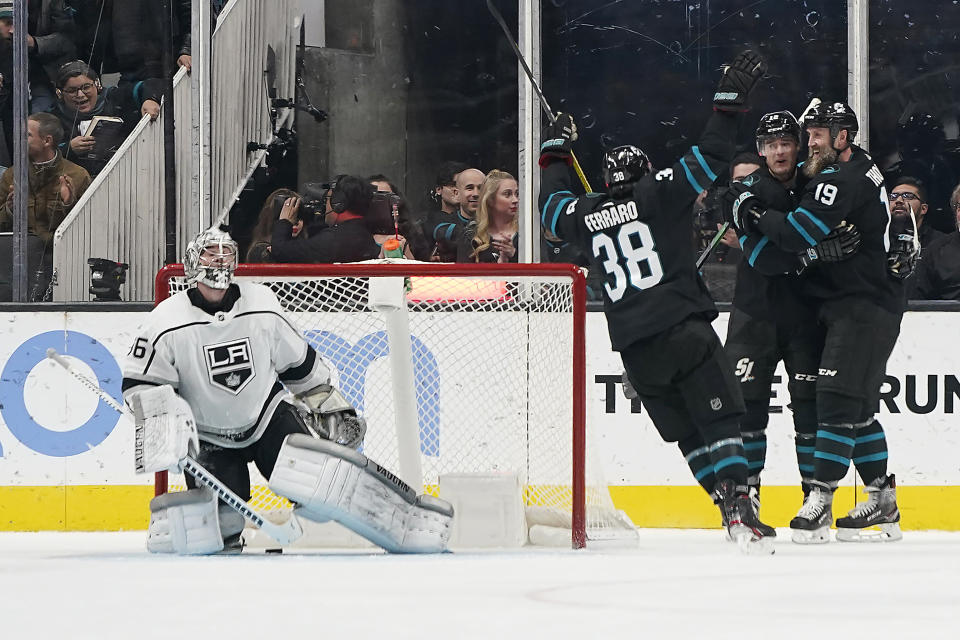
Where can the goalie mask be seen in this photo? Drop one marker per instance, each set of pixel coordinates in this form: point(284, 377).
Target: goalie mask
point(211, 258)
point(622, 166)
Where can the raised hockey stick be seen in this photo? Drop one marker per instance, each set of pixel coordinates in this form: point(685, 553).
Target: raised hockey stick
point(713, 245)
point(536, 87)
point(284, 534)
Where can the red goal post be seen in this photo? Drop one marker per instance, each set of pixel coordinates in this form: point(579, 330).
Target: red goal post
point(497, 373)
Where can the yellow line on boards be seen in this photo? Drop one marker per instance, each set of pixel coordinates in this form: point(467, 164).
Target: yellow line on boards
point(125, 507)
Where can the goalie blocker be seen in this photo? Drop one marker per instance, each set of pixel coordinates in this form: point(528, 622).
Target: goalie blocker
point(328, 481)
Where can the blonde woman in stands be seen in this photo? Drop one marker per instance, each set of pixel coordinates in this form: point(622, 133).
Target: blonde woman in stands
point(492, 237)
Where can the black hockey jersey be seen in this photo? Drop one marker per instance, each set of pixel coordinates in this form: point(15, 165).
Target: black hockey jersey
point(642, 245)
point(849, 191)
point(767, 280)
point(443, 231)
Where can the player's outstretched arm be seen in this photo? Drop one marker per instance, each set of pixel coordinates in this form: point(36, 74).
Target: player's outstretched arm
point(555, 179)
point(710, 157)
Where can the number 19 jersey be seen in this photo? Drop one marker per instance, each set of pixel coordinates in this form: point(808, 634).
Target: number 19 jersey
point(642, 244)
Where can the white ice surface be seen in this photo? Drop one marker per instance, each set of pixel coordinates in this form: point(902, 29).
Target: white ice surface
point(676, 584)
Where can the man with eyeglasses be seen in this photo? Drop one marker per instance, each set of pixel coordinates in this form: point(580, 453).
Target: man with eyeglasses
point(908, 208)
point(938, 276)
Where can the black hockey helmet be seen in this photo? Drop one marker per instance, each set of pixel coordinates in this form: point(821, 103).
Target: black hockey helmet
point(835, 116)
point(778, 124)
point(624, 165)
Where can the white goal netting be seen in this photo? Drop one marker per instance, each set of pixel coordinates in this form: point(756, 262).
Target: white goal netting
point(496, 383)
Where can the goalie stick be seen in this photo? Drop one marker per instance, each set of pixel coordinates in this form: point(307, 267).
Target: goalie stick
point(283, 534)
point(536, 87)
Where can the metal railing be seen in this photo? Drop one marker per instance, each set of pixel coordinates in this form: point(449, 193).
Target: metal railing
point(121, 215)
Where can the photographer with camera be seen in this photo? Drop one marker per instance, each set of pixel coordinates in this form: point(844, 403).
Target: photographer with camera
point(347, 239)
point(282, 202)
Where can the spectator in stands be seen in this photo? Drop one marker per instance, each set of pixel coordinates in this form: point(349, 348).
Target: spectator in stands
point(182, 33)
point(469, 182)
point(492, 236)
point(381, 223)
point(909, 194)
point(924, 154)
point(347, 239)
point(50, 32)
point(439, 226)
point(82, 98)
point(55, 185)
point(273, 208)
point(938, 275)
point(906, 195)
point(123, 36)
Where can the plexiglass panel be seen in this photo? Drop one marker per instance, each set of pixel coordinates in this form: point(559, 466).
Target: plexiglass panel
point(915, 97)
point(644, 72)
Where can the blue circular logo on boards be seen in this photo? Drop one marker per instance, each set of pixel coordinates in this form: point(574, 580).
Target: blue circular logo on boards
point(14, 410)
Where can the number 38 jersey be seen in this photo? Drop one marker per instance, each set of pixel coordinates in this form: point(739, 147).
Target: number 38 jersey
point(642, 245)
point(228, 363)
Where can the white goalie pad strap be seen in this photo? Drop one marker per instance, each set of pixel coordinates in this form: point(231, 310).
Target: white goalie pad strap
point(185, 522)
point(330, 482)
point(165, 429)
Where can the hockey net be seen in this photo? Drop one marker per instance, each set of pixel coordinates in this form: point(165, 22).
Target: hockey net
point(498, 377)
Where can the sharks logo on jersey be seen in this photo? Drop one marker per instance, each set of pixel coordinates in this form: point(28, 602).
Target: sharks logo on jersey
point(230, 364)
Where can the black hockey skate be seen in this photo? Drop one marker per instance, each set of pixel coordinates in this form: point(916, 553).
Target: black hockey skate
point(754, 498)
point(741, 520)
point(877, 519)
point(812, 524)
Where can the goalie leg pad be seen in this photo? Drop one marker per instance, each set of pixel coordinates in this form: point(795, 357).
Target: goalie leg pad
point(328, 481)
point(185, 522)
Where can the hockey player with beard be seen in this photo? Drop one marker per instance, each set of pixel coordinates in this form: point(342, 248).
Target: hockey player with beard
point(769, 322)
point(857, 307)
point(657, 308)
point(222, 359)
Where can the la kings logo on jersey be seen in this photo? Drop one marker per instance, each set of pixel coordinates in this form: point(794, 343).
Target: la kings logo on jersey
point(230, 364)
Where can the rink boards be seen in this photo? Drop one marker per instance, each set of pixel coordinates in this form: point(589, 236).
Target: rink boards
point(66, 460)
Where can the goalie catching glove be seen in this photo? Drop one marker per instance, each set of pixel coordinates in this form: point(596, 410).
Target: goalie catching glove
point(332, 417)
point(558, 140)
point(165, 430)
point(739, 79)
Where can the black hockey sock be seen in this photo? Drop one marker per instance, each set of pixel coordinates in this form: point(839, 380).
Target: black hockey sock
point(834, 446)
point(870, 452)
point(698, 459)
point(805, 446)
point(805, 424)
point(755, 448)
point(729, 460)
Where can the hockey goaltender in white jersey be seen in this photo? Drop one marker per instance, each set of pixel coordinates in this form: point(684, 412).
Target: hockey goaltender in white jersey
point(222, 362)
